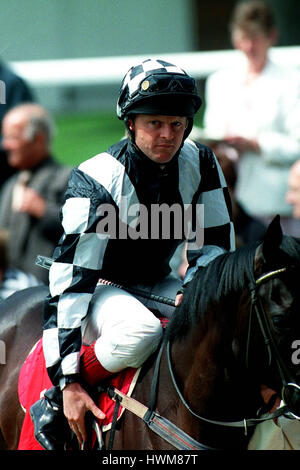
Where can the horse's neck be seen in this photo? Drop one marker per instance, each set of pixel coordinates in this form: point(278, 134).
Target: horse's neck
point(205, 366)
point(194, 366)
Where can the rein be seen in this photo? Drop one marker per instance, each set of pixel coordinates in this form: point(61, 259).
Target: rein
point(262, 319)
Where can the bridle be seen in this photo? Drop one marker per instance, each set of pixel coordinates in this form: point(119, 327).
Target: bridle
point(288, 383)
point(178, 438)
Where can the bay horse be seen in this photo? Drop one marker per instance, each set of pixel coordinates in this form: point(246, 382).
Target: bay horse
point(233, 332)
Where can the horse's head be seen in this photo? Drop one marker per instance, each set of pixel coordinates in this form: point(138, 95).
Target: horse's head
point(276, 302)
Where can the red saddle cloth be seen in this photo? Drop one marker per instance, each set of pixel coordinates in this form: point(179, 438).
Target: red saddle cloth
point(34, 380)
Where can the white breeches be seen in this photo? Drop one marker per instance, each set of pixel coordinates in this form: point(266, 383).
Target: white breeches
point(125, 330)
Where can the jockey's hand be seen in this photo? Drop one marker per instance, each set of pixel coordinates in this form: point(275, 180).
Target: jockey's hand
point(178, 299)
point(76, 403)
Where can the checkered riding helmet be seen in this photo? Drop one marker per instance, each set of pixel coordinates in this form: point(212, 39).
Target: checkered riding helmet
point(158, 87)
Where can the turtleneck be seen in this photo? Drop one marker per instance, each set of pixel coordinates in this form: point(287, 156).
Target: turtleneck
point(155, 183)
point(149, 164)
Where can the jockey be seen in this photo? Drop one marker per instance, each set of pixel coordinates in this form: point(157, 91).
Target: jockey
point(117, 227)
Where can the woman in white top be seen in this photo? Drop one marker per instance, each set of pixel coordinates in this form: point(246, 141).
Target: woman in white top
point(254, 108)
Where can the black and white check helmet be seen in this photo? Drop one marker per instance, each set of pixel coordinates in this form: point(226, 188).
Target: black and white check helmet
point(158, 87)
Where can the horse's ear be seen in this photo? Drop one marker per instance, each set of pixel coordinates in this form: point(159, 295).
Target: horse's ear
point(272, 238)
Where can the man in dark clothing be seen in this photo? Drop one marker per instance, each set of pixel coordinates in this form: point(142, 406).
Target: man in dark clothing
point(31, 199)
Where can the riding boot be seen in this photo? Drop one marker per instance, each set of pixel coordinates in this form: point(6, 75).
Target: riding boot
point(51, 428)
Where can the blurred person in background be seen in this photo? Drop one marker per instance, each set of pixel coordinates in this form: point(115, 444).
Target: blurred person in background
point(12, 280)
point(253, 108)
point(293, 192)
point(30, 200)
point(13, 91)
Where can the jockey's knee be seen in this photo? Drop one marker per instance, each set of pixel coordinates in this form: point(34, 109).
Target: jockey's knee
point(130, 345)
point(143, 344)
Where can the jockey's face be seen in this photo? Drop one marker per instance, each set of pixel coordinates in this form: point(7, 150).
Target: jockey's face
point(158, 137)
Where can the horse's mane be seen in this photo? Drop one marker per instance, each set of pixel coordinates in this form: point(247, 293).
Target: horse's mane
point(225, 276)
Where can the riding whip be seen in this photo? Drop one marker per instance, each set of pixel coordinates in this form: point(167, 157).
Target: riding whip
point(46, 262)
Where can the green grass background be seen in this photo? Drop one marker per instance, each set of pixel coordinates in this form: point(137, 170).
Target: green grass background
point(82, 135)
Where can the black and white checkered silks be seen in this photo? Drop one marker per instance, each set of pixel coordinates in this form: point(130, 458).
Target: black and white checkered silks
point(74, 274)
point(138, 73)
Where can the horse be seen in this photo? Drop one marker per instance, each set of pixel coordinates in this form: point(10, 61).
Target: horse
point(234, 331)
